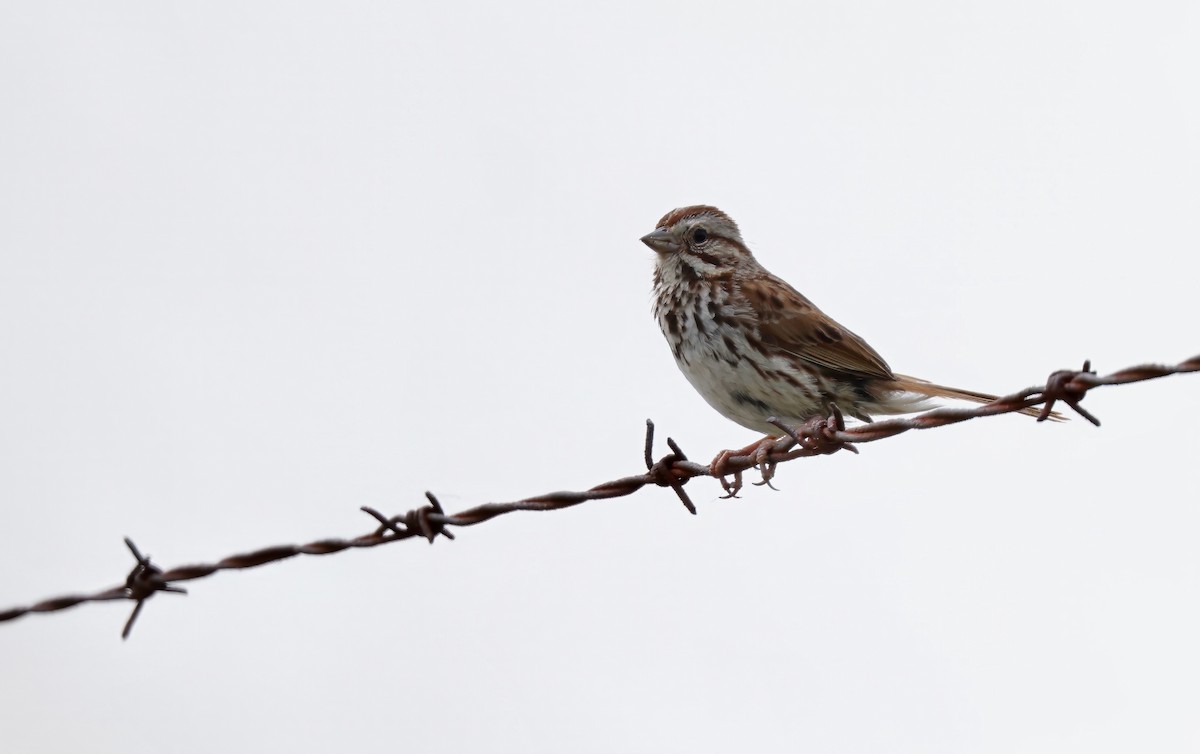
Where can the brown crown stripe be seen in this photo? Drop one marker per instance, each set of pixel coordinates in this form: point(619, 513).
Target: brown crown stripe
point(672, 218)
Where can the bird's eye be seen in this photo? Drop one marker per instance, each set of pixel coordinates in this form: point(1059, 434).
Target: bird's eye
point(699, 235)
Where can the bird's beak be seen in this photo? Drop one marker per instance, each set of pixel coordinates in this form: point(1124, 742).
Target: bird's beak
point(662, 241)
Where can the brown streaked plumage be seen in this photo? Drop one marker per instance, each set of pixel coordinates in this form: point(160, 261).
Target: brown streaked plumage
point(753, 346)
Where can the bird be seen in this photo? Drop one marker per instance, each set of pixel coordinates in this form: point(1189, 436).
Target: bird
point(756, 349)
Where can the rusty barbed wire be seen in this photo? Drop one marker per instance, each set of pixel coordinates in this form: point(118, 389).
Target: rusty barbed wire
point(818, 436)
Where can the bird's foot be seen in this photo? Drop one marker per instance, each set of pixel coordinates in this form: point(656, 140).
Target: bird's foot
point(759, 449)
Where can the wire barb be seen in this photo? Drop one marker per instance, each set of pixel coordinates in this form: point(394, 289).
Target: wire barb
point(141, 584)
point(1064, 385)
point(663, 473)
point(820, 435)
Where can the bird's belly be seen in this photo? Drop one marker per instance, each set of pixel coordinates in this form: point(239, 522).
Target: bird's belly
point(748, 386)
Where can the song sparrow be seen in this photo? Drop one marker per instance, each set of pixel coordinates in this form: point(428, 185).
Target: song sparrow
point(753, 346)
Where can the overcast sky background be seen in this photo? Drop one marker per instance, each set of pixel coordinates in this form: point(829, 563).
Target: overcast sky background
point(262, 264)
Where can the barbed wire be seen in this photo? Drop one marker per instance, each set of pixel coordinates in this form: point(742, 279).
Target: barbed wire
point(818, 436)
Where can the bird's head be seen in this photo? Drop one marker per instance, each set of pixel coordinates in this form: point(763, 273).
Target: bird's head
point(702, 240)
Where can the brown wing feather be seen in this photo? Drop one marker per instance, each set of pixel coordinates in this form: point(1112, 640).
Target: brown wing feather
point(790, 322)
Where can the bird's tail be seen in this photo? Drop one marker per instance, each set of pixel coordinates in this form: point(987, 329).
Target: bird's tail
point(932, 390)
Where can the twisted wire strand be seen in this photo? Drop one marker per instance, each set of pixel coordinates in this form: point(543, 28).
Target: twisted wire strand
point(818, 436)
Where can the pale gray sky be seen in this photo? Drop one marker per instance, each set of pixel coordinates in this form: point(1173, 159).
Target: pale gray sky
point(261, 264)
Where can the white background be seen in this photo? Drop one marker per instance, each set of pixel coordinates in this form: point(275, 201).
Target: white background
point(261, 264)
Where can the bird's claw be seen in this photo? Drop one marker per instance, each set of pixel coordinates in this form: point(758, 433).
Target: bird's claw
point(718, 470)
point(765, 466)
point(731, 488)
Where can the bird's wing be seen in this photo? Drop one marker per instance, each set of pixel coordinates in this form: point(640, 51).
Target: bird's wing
point(790, 322)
